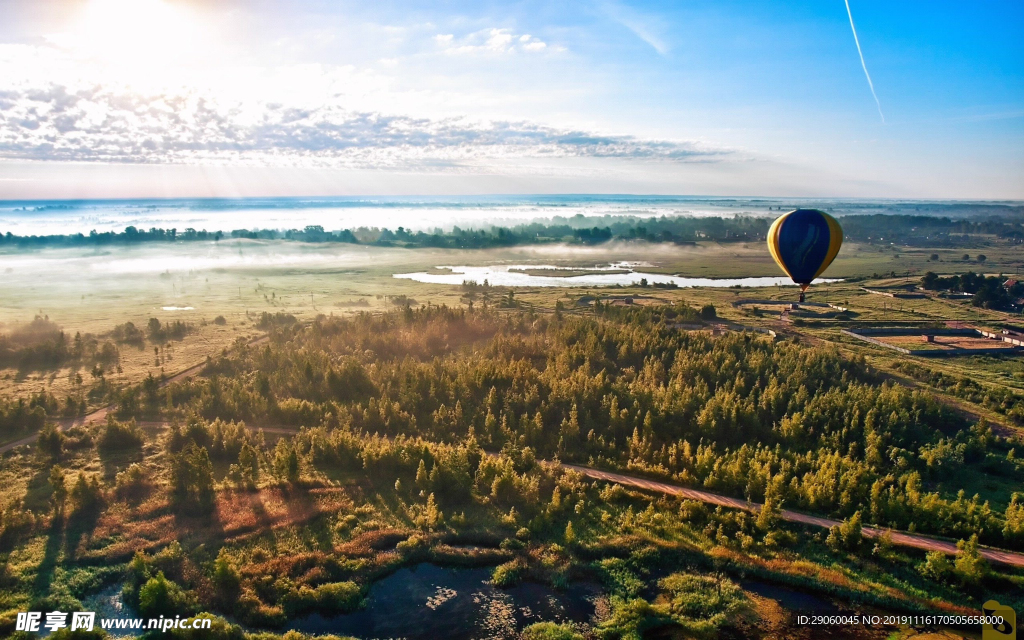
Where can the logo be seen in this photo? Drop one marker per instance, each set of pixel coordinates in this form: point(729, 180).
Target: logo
point(30, 620)
point(1005, 630)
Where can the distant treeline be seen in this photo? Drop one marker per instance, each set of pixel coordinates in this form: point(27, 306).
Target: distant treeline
point(928, 231)
point(900, 229)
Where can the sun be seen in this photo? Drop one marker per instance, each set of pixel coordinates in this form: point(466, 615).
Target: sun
point(136, 39)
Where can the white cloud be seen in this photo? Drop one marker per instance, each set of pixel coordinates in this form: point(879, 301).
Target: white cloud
point(57, 123)
point(493, 41)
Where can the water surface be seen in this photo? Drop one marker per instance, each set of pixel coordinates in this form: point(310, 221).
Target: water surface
point(428, 602)
point(516, 276)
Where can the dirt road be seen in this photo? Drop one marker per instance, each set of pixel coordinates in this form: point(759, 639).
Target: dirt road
point(900, 538)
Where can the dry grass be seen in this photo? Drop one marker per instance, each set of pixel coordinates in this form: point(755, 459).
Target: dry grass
point(135, 363)
point(238, 515)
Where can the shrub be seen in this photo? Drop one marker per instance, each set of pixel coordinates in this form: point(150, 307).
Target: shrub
point(334, 597)
point(50, 443)
point(226, 579)
point(161, 597)
point(270, 320)
point(132, 484)
point(705, 600)
point(846, 536)
point(413, 544)
point(936, 566)
point(508, 574)
point(612, 493)
point(511, 544)
point(338, 596)
point(128, 333)
point(969, 565)
point(77, 438)
point(551, 631)
point(631, 618)
point(86, 494)
point(119, 436)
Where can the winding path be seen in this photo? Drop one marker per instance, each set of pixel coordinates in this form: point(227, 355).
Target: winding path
point(903, 539)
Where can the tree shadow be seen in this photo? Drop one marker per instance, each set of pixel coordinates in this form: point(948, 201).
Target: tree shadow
point(197, 523)
point(264, 527)
point(39, 491)
point(236, 504)
point(80, 526)
point(259, 510)
point(47, 566)
point(303, 507)
point(115, 461)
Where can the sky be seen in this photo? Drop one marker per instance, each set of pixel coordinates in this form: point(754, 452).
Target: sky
point(195, 98)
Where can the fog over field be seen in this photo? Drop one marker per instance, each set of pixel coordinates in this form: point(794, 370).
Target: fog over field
point(428, 213)
point(94, 280)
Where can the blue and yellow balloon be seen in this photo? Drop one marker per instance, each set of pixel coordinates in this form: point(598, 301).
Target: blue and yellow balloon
point(804, 242)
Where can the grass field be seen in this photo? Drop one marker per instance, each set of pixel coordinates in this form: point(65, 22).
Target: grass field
point(92, 291)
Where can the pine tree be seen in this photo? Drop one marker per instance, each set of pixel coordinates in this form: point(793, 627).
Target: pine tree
point(433, 516)
point(86, 493)
point(1014, 529)
point(226, 578)
point(249, 464)
point(60, 489)
point(422, 477)
point(192, 483)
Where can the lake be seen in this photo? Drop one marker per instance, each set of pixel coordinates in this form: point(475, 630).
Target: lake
point(618, 273)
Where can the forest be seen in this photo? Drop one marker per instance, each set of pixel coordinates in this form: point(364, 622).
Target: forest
point(909, 230)
point(759, 420)
point(423, 429)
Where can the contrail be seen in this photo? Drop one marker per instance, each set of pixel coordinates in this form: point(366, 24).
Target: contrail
point(861, 53)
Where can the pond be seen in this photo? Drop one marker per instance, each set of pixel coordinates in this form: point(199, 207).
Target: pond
point(793, 599)
point(429, 601)
point(619, 273)
point(109, 604)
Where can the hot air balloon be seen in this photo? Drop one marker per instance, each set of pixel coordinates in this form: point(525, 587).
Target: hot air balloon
point(804, 242)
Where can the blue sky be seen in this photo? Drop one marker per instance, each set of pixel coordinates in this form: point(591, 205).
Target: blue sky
point(107, 98)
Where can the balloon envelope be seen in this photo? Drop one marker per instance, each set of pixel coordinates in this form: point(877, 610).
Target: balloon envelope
point(804, 242)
